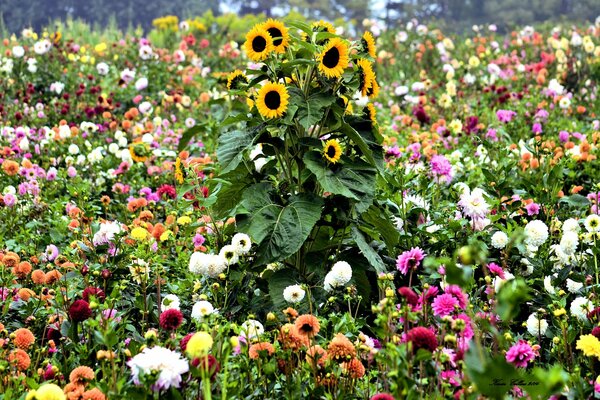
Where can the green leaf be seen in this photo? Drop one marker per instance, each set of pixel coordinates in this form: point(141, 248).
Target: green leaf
point(355, 180)
point(511, 295)
point(382, 221)
point(542, 384)
point(575, 200)
point(232, 146)
point(367, 251)
point(310, 109)
point(280, 230)
point(359, 140)
point(188, 135)
point(494, 377)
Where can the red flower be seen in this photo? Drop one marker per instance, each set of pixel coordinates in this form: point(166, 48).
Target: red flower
point(422, 338)
point(382, 396)
point(209, 364)
point(171, 319)
point(80, 311)
point(184, 341)
point(167, 191)
point(409, 294)
point(93, 291)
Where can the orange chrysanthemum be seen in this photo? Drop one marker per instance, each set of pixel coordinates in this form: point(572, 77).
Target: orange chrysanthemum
point(10, 167)
point(52, 277)
point(74, 391)
point(81, 374)
point(340, 348)
point(10, 259)
point(19, 358)
point(256, 349)
point(22, 269)
point(307, 325)
point(354, 368)
point(23, 338)
point(25, 294)
point(291, 338)
point(38, 277)
point(94, 394)
point(291, 313)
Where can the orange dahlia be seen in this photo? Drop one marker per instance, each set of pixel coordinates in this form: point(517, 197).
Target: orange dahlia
point(81, 374)
point(256, 349)
point(340, 348)
point(23, 338)
point(308, 325)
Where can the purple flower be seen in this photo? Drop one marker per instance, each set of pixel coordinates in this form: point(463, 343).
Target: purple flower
point(441, 168)
point(198, 240)
point(71, 172)
point(505, 115)
point(410, 259)
point(520, 354)
point(563, 136)
point(491, 134)
point(532, 209)
point(537, 128)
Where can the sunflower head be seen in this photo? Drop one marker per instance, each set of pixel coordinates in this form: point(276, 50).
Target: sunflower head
point(259, 44)
point(368, 44)
point(178, 171)
point(373, 91)
point(139, 152)
point(236, 79)
point(346, 105)
point(318, 27)
point(279, 34)
point(272, 100)
point(332, 151)
point(370, 113)
point(334, 58)
point(366, 75)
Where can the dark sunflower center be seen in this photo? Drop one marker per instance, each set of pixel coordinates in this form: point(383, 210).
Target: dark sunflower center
point(331, 151)
point(275, 33)
point(331, 58)
point(272, 100)
point(259, 44)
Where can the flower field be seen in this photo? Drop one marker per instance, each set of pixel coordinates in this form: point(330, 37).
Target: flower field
point(249, 208)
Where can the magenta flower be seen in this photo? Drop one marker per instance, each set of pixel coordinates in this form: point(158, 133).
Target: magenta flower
point(444, 304)
point(537, 128)
point(9, 200)
point(505, 115)
point(520, 354)
point(532, 209)
point(496, 270)
point(441, 169)
point(457, 292)
point(410, 259)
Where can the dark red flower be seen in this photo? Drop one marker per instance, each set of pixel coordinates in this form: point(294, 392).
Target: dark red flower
point(421, 115)
point(166, 191)
point(53, 333)
point(93, 291)
point(184, 341)
point(409, 294)
point(593, 315)
point(80, 311)
point(170, 319)
point(596, 331)
point(209, 364)
point(422, 338)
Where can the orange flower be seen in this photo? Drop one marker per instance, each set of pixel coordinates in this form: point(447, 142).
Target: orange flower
point(81, 375)
point(291, 313)
point(94, 394)
point(10, 167)
point(19, 358)
point(354, 368)
point(10, 259)
point(52, 276)
point(316, 356)
point(291, 338)
point(23, 338)
point(340, 348)
point(22, 269)
point(146, 216)
point(74, 391)
point(25, 294)
point(307, 325)
point(257, 348)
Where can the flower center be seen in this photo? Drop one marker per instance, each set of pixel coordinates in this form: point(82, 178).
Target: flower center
point(272, 100)
point(259, 44)
point(331, 58)
point(331, 151)
point(275, 33)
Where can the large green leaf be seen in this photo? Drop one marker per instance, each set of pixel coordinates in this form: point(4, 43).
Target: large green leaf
point(382, 222)
point(232, 145)
point(280, 230)
point(367, 251)
point(494, 377)
point(511, 295)
point(355, 180)
point(311, 108)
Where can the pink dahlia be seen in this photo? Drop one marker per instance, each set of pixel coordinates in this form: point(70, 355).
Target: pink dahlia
point(444, 304)
point(457, 292)
point(520, 354)
point(410, 259)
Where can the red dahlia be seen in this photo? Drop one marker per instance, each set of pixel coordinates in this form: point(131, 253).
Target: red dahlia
point(171, 319)
point(80, 311)
point(422, 338)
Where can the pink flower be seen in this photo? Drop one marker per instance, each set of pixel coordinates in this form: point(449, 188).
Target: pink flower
point(444, 304)
point(410, 259)
point(496, 270)
point(520, 354)
point(532, 209)
point(457, 292)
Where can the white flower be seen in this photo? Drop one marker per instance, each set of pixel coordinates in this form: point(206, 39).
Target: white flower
point(401, 90)
point(169, 302)
point(145, 108)
point(145, 52)
point(571, 225)
point(564, 103)
point(167, 364)
point(102, 68)
point(230, 254)
point(473, 204)
point(569, 242)
point(399, 224)
point(548, 285)
point(293, 294)
point(18, 51)
point(360, 100)
point(251, 329)
point(202, 309)
point(498, 282)
point(536, 233)
point(499, 240)
point(127, 75)
point(535, 326)
point(106, 233)
point(57, 87)
point(340, 275)
point(141, 83)
point(42, 46)
point(592, 223)
point(73, 149)
point(574, 287)
point(580, 307)
point(139, 270)
point(242, 243)
point(199, 263)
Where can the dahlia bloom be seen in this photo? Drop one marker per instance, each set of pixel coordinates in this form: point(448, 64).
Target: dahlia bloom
point(410, 259)
point(520, 354)
point(167, 364)
point(444, 304)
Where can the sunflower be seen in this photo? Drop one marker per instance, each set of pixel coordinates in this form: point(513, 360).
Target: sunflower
point(178, 171)
point(373, 91)
point(366, 74)
point(258, 43)
point(334, 58)
point(346, 105)
point(236, 78)
point(318, 27)
point(370, 113)
point(279, 34)
point(368, 44)
point(272, 100)
point(139, 152)
point(332, 151)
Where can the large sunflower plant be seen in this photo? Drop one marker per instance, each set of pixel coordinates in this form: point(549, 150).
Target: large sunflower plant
point(300, 159)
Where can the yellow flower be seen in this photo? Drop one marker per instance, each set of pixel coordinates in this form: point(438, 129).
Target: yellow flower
point(368, 44)
point(199, 345)
point(334, 58)
point(48, 391)
point(165, 235)
point(559, 312)
point(279, 34)
point(139, 233)
point(371, 113)
point(366, 74)
point(178, 171)
point(272, 100)
point(184, 220)
point(332, 151)
point(100, 48)
point(474, 62)
point(236, 78)
point(590, 345)
point(258, 44)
